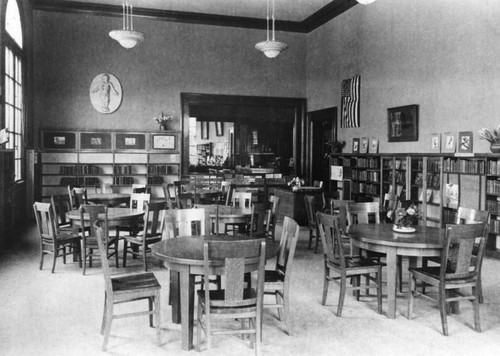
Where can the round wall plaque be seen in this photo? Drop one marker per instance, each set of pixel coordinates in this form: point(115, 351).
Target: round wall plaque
point(105, 93)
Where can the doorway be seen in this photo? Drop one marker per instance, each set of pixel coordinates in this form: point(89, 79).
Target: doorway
point(323, 129)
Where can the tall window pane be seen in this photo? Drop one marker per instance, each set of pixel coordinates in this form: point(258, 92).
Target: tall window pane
point(13, 22)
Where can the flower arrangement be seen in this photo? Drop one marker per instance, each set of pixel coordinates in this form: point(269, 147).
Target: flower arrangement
point(491, 137)
point(405, 217)
point(335, 145)
point(163, 118)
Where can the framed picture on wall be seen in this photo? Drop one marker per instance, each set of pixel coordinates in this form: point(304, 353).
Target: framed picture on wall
point(402, 123)
point(355, 145)
point(219, 128)
point(363, 145)
point(465, 142)
point(164, 141)
point(448, 143)
point(130, 141)
point(59, 140)
point(374, 145)
point(436, 142)
point(204, 130)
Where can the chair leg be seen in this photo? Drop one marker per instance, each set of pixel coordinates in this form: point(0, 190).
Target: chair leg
point(326, 282)
point(54, 259)
point(480, 290)
point(109, 320)
point(198, 328)
point(84, 252)
point(125, 244)
point(103, 324)
point(343, 281)
point(412, 283)
point(117, 260)
point(151, 321)
point(317, 240)
point(157, 301)
point(475, 306)
point(443, 309)
point(144, 261)
point(286, 312)
point(379, 290)
point(42, 254)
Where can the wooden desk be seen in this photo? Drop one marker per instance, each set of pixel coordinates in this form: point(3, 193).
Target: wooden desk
point(184, 255)
point(426, 241)
point(109, 199)
point(116, 217)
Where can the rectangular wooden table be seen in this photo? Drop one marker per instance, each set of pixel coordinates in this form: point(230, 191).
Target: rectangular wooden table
point(424, 242)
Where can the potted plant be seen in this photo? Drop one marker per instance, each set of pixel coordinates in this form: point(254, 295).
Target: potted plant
point(163, 119)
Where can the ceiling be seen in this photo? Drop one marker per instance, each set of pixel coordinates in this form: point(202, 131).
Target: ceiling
point(291, 15)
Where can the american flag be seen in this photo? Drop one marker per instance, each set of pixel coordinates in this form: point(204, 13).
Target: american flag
point(350, 102)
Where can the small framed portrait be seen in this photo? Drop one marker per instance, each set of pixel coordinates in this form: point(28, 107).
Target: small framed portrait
point(355, 145)
point(363, 145)
point(204, 130)
point(465, 142)
point(219, 128)
point(374, 145)
point(402, 123)
point(448, 143)
point(436, 142)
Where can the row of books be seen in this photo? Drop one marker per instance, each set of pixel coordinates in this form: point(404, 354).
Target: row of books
point(79, 170)
point(162, 169)
point(463, 166)
point(371, 176)
point(397, 164)
point(123, 169)
point(362, 188)
point(432, 180)
point(493, 167)
point(495, 226)
point(155, 180)
point(400, 177)
point(493, 206)
point(123, 180)
point(367, 163)
point(493, 187)
point(79, 181)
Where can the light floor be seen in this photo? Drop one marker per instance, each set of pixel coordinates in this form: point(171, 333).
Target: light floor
point(60, 314)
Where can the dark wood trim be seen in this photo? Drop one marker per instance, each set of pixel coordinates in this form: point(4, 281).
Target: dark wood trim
point(328, 12)
point(299, 105)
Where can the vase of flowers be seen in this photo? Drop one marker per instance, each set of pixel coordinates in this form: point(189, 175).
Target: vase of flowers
point(163, 120)
point(296, 183)
point(493, 137)
point(404, 219)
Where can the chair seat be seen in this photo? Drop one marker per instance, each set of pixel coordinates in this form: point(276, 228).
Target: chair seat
point(137, 240)
point(64, 237)
point(135, 281)
point(248, 304)
point(91, 241)
point(433, 273)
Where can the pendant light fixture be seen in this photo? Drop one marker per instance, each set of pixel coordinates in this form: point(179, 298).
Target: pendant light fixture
point(365, 2)
point(271, 48)
point(127, 37)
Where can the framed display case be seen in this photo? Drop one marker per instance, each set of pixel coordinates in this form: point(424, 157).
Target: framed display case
point(130, 141)
point(95, 141)
point(165, 141)
point(59, 140)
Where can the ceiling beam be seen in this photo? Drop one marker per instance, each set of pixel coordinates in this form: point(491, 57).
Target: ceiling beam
point(322, 16)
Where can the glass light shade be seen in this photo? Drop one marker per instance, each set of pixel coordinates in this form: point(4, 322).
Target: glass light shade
point(271, 49)
point(365, 2)
point(127, 38)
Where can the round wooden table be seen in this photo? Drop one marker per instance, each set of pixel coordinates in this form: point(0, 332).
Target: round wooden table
point(109, 199)
point(184, 255)
point(116, 217)
point(425, 241)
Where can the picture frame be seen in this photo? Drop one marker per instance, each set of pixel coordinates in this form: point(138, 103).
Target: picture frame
point(448, 143)
point(165, 142)
point(436, 142)
point(355, 145)
point(95, 141)
point(219, 128)
point(464, 143)
point(374, 145)
point(363, 148)
point(402, 123)
point(59, 140)
point(130, 141)
point(204, 130)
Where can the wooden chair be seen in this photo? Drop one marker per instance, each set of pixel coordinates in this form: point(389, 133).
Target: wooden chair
point(138, 201)
point(312, 207)
point(77, 196)
point(339, 207)
point(61, 204)
point(185, 222)
point(260, 214)
point(339, 268)
point(466, 216)
point(53, 241)
point(126, 288)
point(460, 269)
point(169, 194)
point(234, 302)
point(272, 217)
point(277, 281)
point(89, 237)
point(138, 244)
point(241, 199)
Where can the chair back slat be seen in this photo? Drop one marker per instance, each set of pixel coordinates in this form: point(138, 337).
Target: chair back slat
point(235, 270)
point(288, 242)
point(154, 218)
point(46, 222)
point(93, 212)
point(363, 213)
point(101, 233)
point(331, 238)
point(459, 259)
point(61, 204)
point(185, 222)
point(78, 196)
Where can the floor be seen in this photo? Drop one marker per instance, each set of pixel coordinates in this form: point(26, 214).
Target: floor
point(60, 314)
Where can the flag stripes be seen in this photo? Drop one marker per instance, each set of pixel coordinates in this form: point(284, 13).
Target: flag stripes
point(350, 102)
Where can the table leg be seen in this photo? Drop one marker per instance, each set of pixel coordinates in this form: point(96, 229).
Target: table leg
point(175, 297)
point(391, 282)
point(187, 308)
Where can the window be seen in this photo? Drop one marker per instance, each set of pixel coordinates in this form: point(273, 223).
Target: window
point(13, 84)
